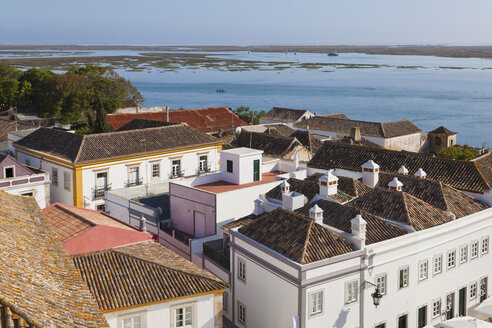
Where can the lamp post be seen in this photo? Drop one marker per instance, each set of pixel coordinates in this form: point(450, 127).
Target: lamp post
point(376, 296)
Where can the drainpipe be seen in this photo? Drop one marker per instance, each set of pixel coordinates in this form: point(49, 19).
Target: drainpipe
point(363, 266)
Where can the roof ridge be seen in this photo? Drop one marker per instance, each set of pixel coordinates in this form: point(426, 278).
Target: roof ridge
point(478, 168)
point(306, 241)
point(136, 130)
point(79, 151)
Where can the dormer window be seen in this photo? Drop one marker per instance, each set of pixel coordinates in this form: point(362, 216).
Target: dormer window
point(9, 172)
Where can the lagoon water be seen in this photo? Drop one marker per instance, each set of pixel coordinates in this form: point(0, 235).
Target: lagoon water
point(429, 91)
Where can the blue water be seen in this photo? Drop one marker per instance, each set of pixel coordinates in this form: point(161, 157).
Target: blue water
point(429, 96)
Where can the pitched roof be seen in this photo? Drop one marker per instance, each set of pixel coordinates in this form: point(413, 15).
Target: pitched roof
point(78, 148)
point(36, 275)
point(462, 175)
point(140, 274)
point(83, 230)
point(435, 193)
point(373, 129)
point(206, 120)
point(286, 115)
point(443, 130)
point(7, 126)
point(273, 145)
point(485, 159)
point(295, 236)
point(401, 207)
point(308, 140)
point(339, 216)
point(361, 142)
point(140, 123)
point(278, 129)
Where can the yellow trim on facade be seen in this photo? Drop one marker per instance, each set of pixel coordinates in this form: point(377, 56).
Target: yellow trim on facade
point(78, 192)
point(35, 153)
point(216, 292)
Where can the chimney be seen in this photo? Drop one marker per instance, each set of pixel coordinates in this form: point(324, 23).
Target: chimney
point(420, 174)
point(296, 160)
point(395, 184)
point(355, 133)
point(359, 231)
point(403, 170)
point(167, 114)
point(285, 187)
point(258, 207)
point(370, 173)
point(316, 214)
point(142, 225)
point(328, 184)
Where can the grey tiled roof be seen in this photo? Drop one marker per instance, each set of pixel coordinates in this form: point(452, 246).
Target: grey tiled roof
point(286, 115)
point(274, 145)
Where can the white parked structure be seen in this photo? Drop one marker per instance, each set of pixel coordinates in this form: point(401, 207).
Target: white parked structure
point(19, 179)
point(84, 167)
point(146, 285)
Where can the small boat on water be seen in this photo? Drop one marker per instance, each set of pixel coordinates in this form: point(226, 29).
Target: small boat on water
point(220, 90)
point(332, 54)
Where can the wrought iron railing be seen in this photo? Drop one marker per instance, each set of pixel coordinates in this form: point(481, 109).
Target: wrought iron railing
point(132, 183)
point(215, 251)
point(99, 191)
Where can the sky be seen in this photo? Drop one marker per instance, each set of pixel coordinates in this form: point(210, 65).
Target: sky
point(246, 22)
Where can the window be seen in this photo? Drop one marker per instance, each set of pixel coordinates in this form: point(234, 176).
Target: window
point(483, 289)
point(132, 322)
point(451, 259)
point(485, 245)
point(315, 303)
point(351, 291)
point(133, 176)
point(474, 249)
point(241, 273)
point(403, 276)
point(28, 194)
point(176, 168)
point(156, 170)
point(184, 316)
point(437, 141)
point(229, 166)
point(54, 176)
point(380, 325)
point(437, 264)
point(9, 172)
point(450, 306)
point(203, 163)
point(101, 184)
point(381, 283)
point(101, 208)
point(422, 317)
point(66, 181)
point(225, 301)
point(423, 270)
point(463, 254)
point(436, 308)
point(473, 290)
point(241, 313)
point(403, 321)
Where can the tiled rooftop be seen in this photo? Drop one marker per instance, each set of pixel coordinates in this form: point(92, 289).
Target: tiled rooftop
point(224, 186)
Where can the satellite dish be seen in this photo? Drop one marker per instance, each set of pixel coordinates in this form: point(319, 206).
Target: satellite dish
point(238, 130)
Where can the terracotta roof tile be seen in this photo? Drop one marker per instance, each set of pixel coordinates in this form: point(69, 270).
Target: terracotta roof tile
point(286, 115)
point(36, 274)
point(443, 130)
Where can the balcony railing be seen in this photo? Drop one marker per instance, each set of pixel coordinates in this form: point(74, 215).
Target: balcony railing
point(205, 169)
point(176, 175)
point(215, 251)
point(132, 183)
point(180, 236)
point(99, 191)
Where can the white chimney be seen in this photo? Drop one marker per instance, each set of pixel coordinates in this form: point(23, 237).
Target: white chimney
point(296, 160)
point(143, 223)
point(258, 207)
point(395, 184)
point(293, 200)
point(359, 231)
point(167, 114)
point(328, 184)
point(403, 170)
point(285, 187)
point(316, 214)
point(370, 173)
point(420, 174)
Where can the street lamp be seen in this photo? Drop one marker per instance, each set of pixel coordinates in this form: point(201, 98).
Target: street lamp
point(376, 296)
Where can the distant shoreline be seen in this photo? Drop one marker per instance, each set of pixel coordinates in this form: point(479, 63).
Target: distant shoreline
point(423, 50)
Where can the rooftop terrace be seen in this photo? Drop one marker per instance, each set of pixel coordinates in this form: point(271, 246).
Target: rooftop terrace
point(221, 186)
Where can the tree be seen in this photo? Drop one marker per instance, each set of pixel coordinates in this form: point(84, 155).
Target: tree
point(457, 153)
point(250, 116)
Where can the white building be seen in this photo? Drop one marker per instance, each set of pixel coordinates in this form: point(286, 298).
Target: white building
point(147, 286)
point(84, 167)
point(19, 179)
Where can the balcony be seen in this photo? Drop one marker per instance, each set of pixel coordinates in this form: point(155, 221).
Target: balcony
point(99, 192)
point(215, 251)
point(132, 183)
point(176, 175)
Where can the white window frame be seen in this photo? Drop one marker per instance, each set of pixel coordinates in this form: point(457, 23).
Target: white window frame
point(5, 171)
point(474, 249)
point(204, 169)
point(381, 282)
point(473, 290)
point(407, 269)
point(434, 267)
point(463, 254)
point(316, 299)
point(152, 171)
point(448, 267)
point(242, 321)
point(194, 316)
point(176, 174)
point(484, 249)
point(53, 175)
point(423, 270)
point(67, 180)
point(138, 173)
point(225, 301)
point(351, 291)
point(437, 303)
point(186, 316)
point(141, 314)
point(241, 269)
